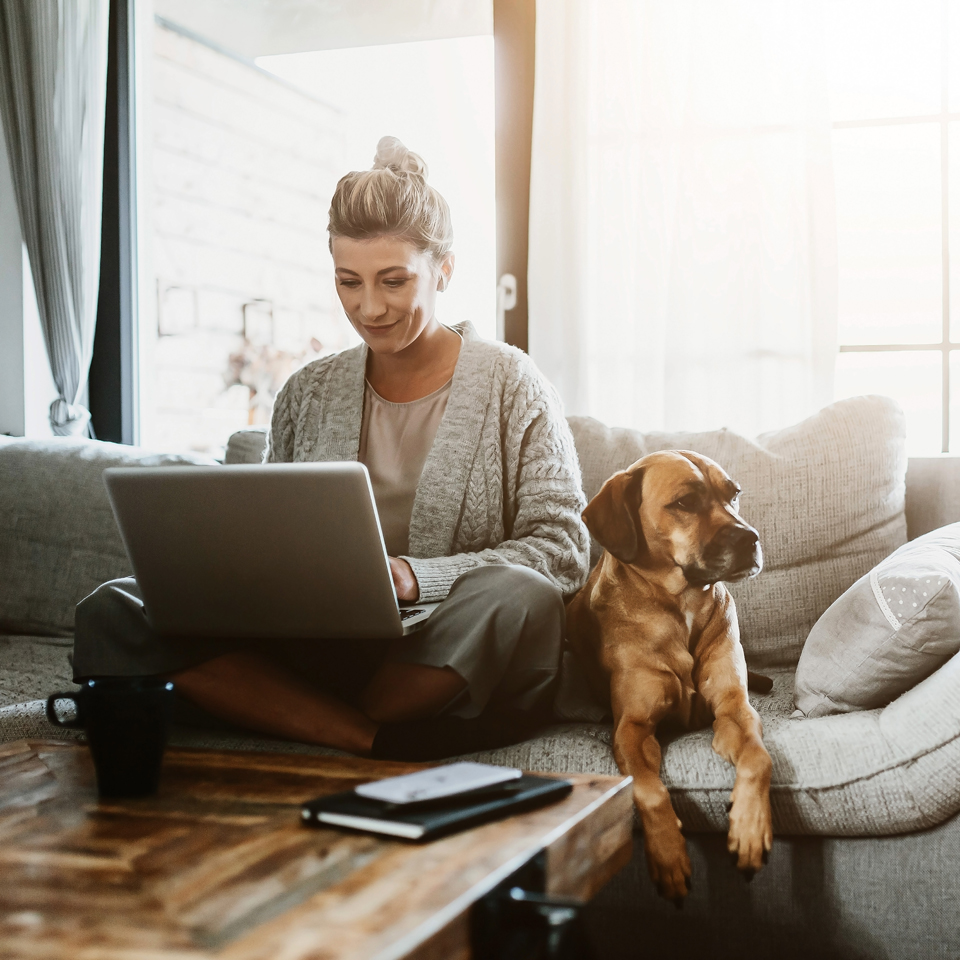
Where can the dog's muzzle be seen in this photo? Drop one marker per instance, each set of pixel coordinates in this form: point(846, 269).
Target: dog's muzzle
point(733, 554)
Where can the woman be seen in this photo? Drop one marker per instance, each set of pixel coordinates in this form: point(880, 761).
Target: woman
point(478, 488)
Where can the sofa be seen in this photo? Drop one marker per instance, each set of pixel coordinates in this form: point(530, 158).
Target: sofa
point(866, 860)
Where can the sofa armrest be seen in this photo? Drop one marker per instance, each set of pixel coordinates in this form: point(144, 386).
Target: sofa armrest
point(933, 493)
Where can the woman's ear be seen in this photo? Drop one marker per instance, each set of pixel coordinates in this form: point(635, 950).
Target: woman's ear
point(446, 272)
point(613, 516)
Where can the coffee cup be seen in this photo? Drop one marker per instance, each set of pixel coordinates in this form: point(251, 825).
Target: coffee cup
point(126, 721)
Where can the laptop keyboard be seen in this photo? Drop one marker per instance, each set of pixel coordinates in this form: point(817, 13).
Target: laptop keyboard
point(407, 614)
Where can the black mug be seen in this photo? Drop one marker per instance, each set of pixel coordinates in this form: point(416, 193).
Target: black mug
point(126, 721)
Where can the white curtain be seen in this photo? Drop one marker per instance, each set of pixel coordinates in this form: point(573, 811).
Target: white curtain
point(682, 269)
point(53, 81)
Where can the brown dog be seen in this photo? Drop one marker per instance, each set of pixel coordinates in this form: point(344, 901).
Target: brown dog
point(662, 628)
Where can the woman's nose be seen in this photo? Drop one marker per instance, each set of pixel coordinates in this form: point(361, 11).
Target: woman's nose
point(372, 305)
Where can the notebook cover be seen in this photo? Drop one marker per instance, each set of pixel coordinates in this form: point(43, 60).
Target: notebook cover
point(425, 821)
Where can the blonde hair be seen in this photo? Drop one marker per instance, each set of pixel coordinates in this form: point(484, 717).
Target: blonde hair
point(394, 199)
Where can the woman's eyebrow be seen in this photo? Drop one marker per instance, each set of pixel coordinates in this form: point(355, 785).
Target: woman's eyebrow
point(379, 272)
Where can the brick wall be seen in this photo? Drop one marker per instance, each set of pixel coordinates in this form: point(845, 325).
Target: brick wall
point(243, 167)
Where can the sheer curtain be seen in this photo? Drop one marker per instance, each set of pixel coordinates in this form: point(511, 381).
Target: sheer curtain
point(682, 269)
point(53, 82)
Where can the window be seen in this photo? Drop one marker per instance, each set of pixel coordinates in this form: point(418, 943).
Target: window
point(896, 154)
point(253, 115)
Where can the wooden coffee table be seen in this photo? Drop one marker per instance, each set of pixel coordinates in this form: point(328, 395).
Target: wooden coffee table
point(219, 865)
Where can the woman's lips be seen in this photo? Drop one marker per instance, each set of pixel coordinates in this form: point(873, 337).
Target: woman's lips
point(380, 329)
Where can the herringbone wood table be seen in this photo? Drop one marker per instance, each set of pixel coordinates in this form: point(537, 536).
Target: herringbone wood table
point(219, 865)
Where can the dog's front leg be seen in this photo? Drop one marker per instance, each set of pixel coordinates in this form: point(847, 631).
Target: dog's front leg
point(637, 753)
point(738, 738)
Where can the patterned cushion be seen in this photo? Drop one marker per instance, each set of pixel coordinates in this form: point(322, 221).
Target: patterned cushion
point(58, 538)
point(889, 631)
point(827, 496)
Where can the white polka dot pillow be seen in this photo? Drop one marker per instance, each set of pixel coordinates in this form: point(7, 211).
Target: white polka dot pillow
point(889, 631)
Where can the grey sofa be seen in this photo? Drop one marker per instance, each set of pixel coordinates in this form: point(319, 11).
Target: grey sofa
point(866, 862)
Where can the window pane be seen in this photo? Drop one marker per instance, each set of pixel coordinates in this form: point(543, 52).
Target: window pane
point(241, 171)
point(883, 57)
point(458, 72)
point(888, 233)
point(912, 378)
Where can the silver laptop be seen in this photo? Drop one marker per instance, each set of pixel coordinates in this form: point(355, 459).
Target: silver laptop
point(275, 550)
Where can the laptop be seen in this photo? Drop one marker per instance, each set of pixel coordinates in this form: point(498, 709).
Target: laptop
point(290, 550)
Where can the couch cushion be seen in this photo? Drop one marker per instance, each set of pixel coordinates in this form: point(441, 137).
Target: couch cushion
point(33, 667)
point(863, 774)
point(827, 496)
point(891, 629)
point(58, 538)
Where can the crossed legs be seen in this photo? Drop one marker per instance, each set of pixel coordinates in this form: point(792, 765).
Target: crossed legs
point(501, 627)
point(252, 691)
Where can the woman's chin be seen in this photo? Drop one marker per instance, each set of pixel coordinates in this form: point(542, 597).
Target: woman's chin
point(390, 338)
point(380, 337)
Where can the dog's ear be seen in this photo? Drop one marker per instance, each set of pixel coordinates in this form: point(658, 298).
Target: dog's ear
point(611, 516)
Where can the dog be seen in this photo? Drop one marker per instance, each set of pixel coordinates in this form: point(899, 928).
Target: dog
point(656, 629)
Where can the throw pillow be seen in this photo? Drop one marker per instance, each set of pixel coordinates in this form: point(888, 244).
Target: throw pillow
point(891, 629)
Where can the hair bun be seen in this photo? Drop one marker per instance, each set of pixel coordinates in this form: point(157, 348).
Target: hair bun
point(393, 155)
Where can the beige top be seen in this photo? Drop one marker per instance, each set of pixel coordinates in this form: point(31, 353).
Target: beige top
point(395, 439)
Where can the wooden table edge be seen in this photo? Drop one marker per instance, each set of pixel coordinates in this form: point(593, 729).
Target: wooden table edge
point(413, 943)
point(450, 924)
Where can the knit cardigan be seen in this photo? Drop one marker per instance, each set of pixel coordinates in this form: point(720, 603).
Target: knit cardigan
point(501, 483)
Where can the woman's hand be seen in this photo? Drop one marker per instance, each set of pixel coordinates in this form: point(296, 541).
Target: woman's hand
point(404, 580)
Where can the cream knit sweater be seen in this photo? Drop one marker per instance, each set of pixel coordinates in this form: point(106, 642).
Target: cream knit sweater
point(501, 483)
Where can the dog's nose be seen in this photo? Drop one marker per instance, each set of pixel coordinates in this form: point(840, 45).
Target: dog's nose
point(744, 537)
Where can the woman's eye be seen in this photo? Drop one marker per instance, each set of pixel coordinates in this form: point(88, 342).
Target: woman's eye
point(395, 283)
point(349, 283)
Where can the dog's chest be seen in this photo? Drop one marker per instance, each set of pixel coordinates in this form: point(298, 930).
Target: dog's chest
point(689, 709)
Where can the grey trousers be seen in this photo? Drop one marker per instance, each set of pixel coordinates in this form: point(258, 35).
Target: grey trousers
point(500, 628)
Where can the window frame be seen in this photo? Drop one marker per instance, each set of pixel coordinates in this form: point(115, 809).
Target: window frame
point(514, 40)
point(945, 346)
point(114, 373)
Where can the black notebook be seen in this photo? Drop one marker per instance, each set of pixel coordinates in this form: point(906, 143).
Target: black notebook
point(433, 818)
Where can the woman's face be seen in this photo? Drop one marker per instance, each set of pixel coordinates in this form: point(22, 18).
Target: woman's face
point(388, 289)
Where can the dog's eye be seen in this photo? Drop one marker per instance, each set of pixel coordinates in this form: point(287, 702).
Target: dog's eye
point(735, 501)
point(688, 504)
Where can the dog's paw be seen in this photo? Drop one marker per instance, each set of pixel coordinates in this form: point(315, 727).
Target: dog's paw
point(669, 863)
point(750, 838)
